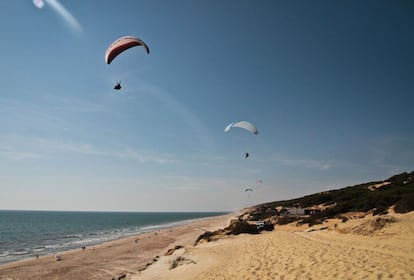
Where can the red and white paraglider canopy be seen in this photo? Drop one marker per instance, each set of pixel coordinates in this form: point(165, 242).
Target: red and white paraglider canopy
point(122, 44)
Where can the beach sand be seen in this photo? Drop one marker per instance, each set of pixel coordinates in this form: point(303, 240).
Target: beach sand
point(355, 249)
point(351, 250)
point(112, 259)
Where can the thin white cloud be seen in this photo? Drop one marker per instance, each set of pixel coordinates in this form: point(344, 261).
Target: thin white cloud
point(144, 157)
point(19, 111)
point(13, 154)
point(65, 14)
point(75, 104)
point(19, 147)
point(126, 154)
point(84, 149)
point(307, 163)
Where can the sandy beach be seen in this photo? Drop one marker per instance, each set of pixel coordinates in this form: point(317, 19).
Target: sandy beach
point(355, 249)
point(351, 250)
point(111, 259)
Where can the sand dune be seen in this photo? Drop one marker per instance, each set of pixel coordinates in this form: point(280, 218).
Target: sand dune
point(298, 253)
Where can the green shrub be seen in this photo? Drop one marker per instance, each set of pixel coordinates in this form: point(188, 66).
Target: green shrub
point(405, 204)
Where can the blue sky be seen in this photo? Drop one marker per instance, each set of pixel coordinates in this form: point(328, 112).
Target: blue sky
point(329, 85)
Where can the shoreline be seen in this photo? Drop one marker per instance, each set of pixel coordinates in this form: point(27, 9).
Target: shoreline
point(114, 258)
point(59, 242)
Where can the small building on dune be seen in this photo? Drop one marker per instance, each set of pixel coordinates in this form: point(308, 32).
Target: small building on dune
point(299, 211)
point(296, 211)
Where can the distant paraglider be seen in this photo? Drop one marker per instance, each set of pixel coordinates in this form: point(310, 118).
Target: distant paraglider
point(117, 86)
point(244, 125)
point(122, 44)
point(248, 190)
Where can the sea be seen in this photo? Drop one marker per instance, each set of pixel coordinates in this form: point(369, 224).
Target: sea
point(25, 234)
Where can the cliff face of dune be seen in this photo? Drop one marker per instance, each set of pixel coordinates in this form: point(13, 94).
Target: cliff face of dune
point(236, 227)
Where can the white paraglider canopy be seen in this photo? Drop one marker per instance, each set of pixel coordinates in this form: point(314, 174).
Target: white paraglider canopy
point(242, 124)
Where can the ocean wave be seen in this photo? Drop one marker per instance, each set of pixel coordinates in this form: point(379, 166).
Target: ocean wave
point(19, 252)
point(53, 246)
point(4, 254)
point(166, 225)
point(74, 236)
point(38, 249)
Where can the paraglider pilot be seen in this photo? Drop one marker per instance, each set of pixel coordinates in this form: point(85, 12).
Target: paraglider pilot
point(117, 86)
